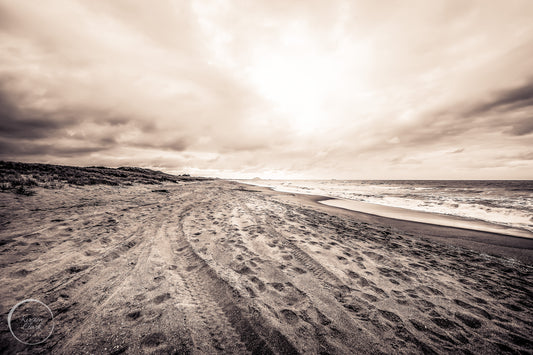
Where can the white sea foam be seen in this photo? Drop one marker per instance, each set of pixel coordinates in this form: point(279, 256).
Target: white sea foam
point(506, 203)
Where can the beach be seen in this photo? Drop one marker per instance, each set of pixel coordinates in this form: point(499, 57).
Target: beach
point(222, 267)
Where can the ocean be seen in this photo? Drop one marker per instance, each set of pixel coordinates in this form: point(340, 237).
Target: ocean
point(505, 203)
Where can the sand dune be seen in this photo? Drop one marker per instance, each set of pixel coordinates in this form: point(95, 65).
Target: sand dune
point(220, 267)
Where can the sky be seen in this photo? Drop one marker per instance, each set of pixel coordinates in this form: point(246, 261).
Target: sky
point(271, 88)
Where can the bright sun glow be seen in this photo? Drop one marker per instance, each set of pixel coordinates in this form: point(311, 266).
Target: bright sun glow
point(297, 85)
point(301, 75)
point(299, 78)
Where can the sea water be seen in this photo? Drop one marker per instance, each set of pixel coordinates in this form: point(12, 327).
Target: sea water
point(507, 203)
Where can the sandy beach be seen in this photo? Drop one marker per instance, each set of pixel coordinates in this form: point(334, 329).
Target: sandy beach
point(207, 267)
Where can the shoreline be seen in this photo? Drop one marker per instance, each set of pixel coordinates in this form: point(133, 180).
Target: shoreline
point(412, 214)
point(497, 244)
point(432, 218)
point(222, 267)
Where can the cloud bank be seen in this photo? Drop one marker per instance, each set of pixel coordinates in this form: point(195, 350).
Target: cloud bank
point(299, 89)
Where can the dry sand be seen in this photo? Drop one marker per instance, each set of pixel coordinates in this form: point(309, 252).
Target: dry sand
point(220, 267)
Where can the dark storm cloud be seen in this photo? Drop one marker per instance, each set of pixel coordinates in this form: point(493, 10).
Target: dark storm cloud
point(18, 123)
point(506, 100)
point(522, 128)
point(130, 77)
point(507, 111)
point(30, 132)
point(178, 144)
point(23, 148)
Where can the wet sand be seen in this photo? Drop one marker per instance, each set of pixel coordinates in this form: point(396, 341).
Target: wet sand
point(495, 244)
point(222, 267)
point(427, 217)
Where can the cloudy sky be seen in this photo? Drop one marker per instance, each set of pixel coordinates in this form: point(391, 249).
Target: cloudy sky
point(271, 88)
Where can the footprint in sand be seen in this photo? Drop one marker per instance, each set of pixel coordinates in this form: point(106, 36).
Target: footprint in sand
point(374, 256)
point(359, 310)
point(244, 270)
point(251, 292)
point(468, 320)
point(299, 270)
point(322, 318)
point(390, 316)
point(370, 297)
point(475, 309)
point(424, 305)
point(278, 286)
point(289, 316)
point(260, 284)
point(20, 273)
point(363, 282)
point(342, 258)
point(134, 315)
point(380, 292)
point(159, 278)
point(352, 274)
point(444, 323)
point(153, 340)
point(161, 298)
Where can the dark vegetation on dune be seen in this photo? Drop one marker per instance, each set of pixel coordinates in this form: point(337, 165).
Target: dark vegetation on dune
point(22, 177)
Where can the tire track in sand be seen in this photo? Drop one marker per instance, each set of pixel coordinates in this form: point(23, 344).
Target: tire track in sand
point(327, 278)
point(111, 290)
point(293, 303)
point(217, 303)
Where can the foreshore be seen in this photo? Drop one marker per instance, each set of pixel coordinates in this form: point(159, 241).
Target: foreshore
point(223, 267)
point(497, 244)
